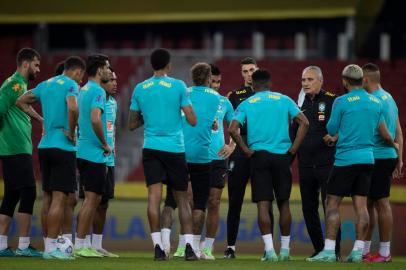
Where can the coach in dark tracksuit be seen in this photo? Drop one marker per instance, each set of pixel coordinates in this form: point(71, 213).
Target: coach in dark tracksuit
point(315, 157)
point(239, 165)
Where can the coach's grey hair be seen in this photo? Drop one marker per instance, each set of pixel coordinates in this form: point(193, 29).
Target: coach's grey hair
point(316, 69)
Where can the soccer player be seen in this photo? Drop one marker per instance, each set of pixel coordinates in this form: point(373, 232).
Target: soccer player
point(72, 200)
point(164, 149)
point(386, 161)
point(93, 148)
point(57, 149)
point(239, 164)
point(206, 103)
point(100, 216)
point(219, 152)
point(354, 119)
point(15, 154)
point(270, 150)
point(315, 157)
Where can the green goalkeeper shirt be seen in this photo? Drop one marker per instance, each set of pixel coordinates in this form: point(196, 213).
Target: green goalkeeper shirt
point(15, 125)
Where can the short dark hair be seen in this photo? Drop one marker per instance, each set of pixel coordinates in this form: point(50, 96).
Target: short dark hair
point(248, 61)
point(160, 58)
point(74, 62)
point(261, 78)
point(370, 67)
point(27, 54)
point(215, 70)
point(60, 67)
point(200, 73)
point(94, 62)
point(372, 71)
point(353, 82)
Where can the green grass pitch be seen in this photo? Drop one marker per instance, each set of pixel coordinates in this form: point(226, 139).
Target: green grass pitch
point(144, 260)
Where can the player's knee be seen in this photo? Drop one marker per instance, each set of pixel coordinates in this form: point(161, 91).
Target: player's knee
point(27, 199)
point(9, 204)
point(213, 204)
point(383, 205)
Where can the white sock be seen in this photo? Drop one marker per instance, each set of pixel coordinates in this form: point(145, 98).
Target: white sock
point(209, 243)
point(329, 244)
point(79, 242)
point(23, 242)
point(232, 247)
point(367, 247)
point(384, 249)
point(45, 243)
point(181, 242)
point(268, 241)
point(97, 241)
point(88, 241)
point(188, 238)
point(196, 242)
point(50, 244)
point(202, 244)
point(3, 242)
point(156, 239)
point(358, 245)
point(68, 235)
point(166, 238)
point(285, 240)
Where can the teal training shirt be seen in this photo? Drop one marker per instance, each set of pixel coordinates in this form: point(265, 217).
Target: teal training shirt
point(267, 114)
point(390, 114)
point(111, 113)
point(91, 96)
point(225, 112)
point(355, 117)
point(205, 102)
point(159, 100)
point(52, 94)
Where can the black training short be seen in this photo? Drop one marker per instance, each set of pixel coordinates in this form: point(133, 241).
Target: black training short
point(18, 171)
point(270, 176)
point(92, 176)
point(218, 173)
point(350, 180)
point(160, 166)
point(381, 178)
point(199, 174)
point(58, 168)
point(110, 183)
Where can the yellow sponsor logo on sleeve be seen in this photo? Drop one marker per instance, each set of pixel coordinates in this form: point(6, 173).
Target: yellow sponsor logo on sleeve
point(374, 99)
point(274, 96)
point(354, 98)
point(253, 100)
point(239, 92)
point(61, 82)
point(165, 84)
point(147, 85)
point(211, 91)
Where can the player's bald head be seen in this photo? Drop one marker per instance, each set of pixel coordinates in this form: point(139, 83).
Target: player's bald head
point(372, 72)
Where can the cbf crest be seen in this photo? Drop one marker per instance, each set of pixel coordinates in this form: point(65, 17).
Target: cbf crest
point(322, 107)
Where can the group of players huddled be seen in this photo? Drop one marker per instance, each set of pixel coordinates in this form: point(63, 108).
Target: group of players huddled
point(346, 146)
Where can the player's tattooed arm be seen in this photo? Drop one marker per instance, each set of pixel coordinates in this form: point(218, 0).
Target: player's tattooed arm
point(135, 120)
point(234, 131)
point(24, 103)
